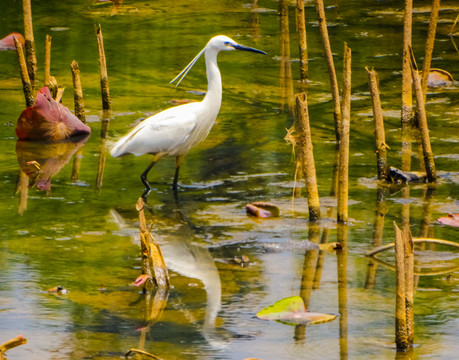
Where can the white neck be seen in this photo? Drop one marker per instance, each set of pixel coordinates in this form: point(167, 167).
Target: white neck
point(214, 80)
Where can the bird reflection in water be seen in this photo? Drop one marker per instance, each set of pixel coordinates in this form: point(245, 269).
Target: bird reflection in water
point(188, 259)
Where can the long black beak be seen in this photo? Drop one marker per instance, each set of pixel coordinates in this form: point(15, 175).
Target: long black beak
point(246, 48)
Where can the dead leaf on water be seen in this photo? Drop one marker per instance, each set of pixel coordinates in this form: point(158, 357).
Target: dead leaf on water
point(262, 209)
point(451, 220)
point(291, 311)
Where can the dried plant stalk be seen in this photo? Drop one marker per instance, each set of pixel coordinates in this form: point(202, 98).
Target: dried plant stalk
point(380, 137)
point(78, 92)
point(103, 70)
point(331, 67)
point(422, 123)
point(407, 96)
point(309, 168)
point(429, 45)
point(31, 58)
point(153, 263)
point(303, 46)
point(343, 163)
point(47, 70)
point(26, 84)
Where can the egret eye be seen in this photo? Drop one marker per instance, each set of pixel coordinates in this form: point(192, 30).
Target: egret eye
point(228, 44)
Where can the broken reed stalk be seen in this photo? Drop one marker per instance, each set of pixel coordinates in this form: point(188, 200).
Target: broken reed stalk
point(303, 46)
point(429, 45)
point(309, 168)
point(31, 58)
point(103, 70)
point(343, 163)
point(153, 263)
point(287, 92)
point(331, 67)
point(380, 137)
point(79, 113)
point(407, 99)
point(77, 92)
point(422, 123)
point(404, 260)
point(415, 240)
point(47, 69)
point(12, 343)
point(26, 84)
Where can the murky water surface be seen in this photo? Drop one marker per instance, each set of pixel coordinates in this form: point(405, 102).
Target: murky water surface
point(84, 238)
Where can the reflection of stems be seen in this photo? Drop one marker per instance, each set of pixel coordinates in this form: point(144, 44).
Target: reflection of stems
point(378, 229)
point(404, 323)
point(341, 255)
point(102, 149)
point(22, 188)
point(321, 259)
point(307, 277)
point(79, 112)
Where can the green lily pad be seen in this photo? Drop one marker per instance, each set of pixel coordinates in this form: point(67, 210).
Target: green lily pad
point(292, 311)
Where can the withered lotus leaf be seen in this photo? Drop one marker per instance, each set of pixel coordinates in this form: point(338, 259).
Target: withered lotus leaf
point(262, 209)
point(451, 220)
point(48, 120)
point(7, 43)
point(291, 311)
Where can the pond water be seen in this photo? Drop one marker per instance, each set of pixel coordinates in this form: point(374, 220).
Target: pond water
point(85, 238)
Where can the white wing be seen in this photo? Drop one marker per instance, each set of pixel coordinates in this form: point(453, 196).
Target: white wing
point(166, 132)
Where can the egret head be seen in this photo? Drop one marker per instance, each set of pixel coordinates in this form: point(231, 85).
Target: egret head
point(217, 43)
point(224, 43)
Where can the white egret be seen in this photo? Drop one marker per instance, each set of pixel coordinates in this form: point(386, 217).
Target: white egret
point(174, 131)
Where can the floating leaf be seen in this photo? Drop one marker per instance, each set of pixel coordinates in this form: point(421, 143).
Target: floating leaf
point(7, 43)
point(451, 220)
point(48, 120)
point(262, 209)
point(292, 311)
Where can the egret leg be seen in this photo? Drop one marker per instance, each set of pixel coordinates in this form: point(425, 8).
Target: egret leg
point(143, 177)
point(178, 163)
